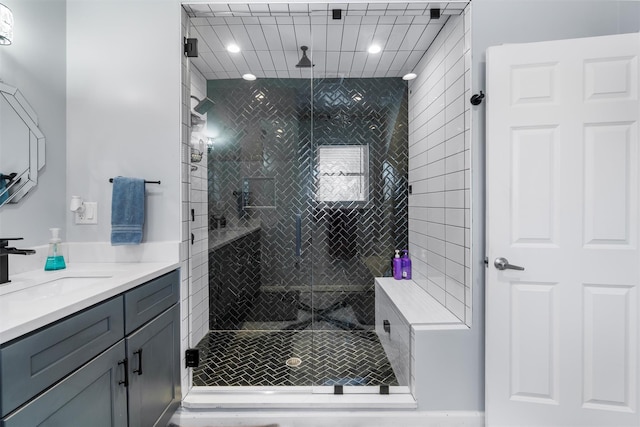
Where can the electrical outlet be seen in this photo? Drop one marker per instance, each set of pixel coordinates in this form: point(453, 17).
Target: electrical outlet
point(89, 215)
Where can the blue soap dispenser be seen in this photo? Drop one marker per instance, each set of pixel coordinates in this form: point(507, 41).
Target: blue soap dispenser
point(55, 259)
point(397, 266)
point(406, 265)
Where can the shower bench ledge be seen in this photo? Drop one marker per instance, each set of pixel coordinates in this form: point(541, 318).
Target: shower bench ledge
point(414, 303)
point(413, 326)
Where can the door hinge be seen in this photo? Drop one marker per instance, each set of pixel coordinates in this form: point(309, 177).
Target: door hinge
point(192, 357)
point(191, 47)
point(486, 262)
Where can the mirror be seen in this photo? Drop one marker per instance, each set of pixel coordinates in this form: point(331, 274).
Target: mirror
point(22, 145)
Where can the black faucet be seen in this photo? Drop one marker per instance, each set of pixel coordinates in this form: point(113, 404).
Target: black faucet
point(5, 251)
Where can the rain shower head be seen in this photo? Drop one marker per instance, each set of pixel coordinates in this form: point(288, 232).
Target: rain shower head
point(203, 106)
point(304, 61)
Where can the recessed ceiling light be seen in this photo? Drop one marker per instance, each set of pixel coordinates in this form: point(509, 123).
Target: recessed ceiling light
point(409, 76)
point(374, 48)
point(233, 48)
point(249, 77)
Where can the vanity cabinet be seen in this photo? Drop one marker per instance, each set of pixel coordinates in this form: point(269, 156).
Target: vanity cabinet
point(113, 364)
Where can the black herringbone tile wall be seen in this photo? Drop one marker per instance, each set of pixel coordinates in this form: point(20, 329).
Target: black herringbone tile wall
point(311, 265)
point(259, 358)
point(264, 151)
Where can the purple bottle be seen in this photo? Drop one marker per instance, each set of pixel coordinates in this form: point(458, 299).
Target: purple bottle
point(406, 265)
point(397, 266)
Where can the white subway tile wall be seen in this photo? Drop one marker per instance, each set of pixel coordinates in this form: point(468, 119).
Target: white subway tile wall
point(199, 224)
point(194, 287)
point(439, 162)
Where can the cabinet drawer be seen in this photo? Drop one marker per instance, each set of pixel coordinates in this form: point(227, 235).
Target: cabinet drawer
point(91, 396)
point(149, 300)
point(31, 364)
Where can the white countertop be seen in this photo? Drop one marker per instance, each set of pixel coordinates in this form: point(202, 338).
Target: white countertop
point(36, 298)
point(415, 304)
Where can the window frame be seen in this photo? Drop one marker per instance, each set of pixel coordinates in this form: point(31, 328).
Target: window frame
point(364, 174)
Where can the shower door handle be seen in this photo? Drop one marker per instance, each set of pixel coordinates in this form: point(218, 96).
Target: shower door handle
point(298, 234)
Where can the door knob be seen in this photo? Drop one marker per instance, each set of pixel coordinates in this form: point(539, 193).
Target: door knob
point(503, 264)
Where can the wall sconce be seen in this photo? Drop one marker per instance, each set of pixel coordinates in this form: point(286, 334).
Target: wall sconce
point(6, 25)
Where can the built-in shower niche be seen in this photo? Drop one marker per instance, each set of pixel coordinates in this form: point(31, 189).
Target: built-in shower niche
point(259, 193)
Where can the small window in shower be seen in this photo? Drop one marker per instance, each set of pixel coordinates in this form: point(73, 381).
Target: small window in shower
point(343, 173)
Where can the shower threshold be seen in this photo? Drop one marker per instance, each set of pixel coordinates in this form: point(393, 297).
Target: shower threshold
point(321, 397)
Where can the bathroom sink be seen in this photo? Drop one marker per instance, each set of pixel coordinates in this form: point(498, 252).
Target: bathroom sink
point(75, 280)
point(66, 284)
point(60, 283)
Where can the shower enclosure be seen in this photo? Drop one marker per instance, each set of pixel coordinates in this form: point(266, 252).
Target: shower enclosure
point(308, 195)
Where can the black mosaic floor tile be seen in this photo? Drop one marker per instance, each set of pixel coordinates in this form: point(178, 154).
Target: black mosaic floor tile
point(259, 358)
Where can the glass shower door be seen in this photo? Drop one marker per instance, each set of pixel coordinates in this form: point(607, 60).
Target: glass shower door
point(358, 205)
point(259, 265)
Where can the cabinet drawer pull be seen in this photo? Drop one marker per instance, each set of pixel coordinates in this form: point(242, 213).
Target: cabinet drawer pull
point(386, 326)
point(124, 382)
point(139, 370)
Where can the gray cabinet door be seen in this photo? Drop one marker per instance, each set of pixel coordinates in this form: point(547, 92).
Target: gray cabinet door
point(91, 396)
point(154, 370)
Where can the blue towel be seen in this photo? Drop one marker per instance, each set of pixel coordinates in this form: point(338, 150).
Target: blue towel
point(127, 211)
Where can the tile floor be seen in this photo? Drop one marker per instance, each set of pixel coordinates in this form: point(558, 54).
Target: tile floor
point(259, 358)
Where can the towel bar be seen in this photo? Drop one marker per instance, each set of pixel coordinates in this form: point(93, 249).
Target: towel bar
point(145, 181)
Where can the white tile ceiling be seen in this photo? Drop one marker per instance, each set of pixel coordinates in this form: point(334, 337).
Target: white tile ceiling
point(270, 35)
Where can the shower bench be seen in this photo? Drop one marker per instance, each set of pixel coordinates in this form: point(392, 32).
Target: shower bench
point(422, 339)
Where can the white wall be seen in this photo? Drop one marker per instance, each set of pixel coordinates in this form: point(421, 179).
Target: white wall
point(439, 161)
point(123, 109)
point(35, 64)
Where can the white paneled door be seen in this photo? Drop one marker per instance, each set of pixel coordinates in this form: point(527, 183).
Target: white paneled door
point(562, 335)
